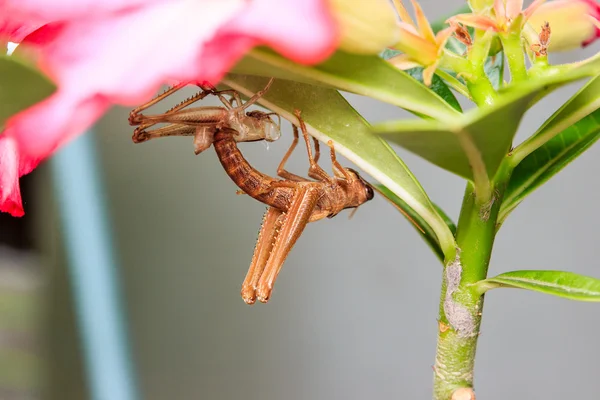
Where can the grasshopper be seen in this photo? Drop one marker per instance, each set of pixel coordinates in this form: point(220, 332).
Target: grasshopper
point(293, 201)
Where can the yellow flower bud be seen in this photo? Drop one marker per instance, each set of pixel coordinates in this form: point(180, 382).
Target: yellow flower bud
point(366, 26)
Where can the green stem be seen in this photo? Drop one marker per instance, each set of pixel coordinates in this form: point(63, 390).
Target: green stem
point(478, 82)
point(515, 56)
point(460, 305)
point(482, 91)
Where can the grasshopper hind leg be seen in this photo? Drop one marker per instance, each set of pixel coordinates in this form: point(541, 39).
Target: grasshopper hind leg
point(267, 236)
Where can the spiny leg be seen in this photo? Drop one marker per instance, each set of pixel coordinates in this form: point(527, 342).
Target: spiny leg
point(281, 169)
point(134, 114)
point(298, 215)
point(267, 235)
point(140, 134)
point(135, 118)
point(314, 171)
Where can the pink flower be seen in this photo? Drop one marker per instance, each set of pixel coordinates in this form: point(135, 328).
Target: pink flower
point(418, 42)
point(109, 52)
point(505, 12)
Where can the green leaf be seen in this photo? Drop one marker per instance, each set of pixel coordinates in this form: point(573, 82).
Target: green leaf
point(557, 283)
point(21, 86)
point(562, 138)
point(417, 221)
point(438, 86)
point(365, 75)
point(472, 146)
point(389, 53)
point(329, 116)
point(494, 69)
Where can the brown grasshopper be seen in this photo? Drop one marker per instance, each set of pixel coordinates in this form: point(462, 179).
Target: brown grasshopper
point(201, 122)
point(294, 201)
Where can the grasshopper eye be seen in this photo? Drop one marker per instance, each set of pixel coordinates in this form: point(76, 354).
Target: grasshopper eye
point(370, 193)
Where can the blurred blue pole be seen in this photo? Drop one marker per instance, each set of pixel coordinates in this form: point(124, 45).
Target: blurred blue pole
point(93, 271)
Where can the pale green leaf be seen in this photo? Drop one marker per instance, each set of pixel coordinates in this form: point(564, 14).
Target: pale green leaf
point(365, 75)
point(557, 283)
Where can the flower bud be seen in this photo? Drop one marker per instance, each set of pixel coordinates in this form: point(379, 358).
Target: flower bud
point(366, 26)
point(574, 23)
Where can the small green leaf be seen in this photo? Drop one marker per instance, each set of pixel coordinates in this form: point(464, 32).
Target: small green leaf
point(494, 69)
point(329, 116)
point(438, 86)
point(557, 283)
point(418, 222)
point(562, 138)
point(365, 75)
point(21, 86)
point(389, 53)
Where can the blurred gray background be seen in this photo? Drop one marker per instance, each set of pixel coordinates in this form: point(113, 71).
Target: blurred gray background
point(353, 314)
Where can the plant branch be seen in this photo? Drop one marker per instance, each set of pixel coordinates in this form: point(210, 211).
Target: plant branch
point(513, 49)
point(460, 305)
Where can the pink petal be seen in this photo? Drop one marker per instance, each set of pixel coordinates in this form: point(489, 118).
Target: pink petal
point(475, 20)
point(303, 31)
point(532, 8)
point(500, 10)
point(513, 8)
point(53, 122)
point(12, 166)
point(594, 16)
point(14, 26)
point(62, 10)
